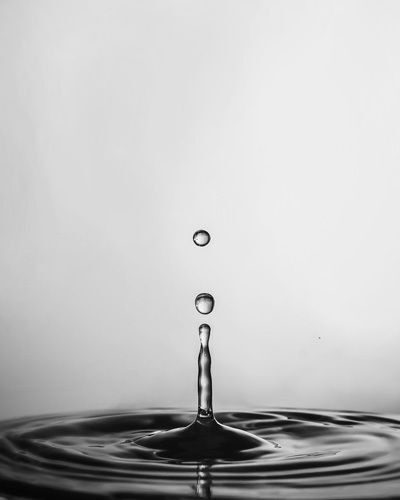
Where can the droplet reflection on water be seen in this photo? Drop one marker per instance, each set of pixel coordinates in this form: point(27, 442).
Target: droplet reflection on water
point(204, 303)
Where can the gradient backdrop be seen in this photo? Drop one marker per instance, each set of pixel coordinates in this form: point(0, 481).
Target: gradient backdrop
point(126, 126)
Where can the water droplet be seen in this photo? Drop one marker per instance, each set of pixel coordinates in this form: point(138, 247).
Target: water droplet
point(201, 238)
point(204, 303)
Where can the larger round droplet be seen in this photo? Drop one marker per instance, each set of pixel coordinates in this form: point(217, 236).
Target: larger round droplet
point(201, 238)
point(204, 303)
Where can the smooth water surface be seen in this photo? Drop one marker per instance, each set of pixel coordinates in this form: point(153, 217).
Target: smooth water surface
point(310, 455)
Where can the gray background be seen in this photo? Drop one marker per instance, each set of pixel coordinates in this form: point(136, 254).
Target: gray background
point(127, 125)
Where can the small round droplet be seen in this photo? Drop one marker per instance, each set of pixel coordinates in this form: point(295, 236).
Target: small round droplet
point(201, 238)
point(204, 303)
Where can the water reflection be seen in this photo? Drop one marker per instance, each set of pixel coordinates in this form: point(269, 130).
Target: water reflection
point(204, 481)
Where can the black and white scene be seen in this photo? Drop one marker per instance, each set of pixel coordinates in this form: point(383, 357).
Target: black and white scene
point(199, 249)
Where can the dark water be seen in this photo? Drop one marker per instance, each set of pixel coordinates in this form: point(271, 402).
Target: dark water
point(308, 455)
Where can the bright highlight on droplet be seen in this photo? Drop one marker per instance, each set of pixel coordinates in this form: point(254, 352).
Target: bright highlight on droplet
point(201, 238)
point(204, 303)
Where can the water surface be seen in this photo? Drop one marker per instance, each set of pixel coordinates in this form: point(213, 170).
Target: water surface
point(311, 455)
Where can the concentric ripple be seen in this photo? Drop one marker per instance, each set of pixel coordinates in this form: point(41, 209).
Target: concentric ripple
point(317, 455)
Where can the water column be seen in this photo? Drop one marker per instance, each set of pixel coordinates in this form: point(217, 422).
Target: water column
point(204, 385)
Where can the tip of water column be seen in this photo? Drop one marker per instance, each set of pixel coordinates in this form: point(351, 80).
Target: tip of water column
point(204, 333)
